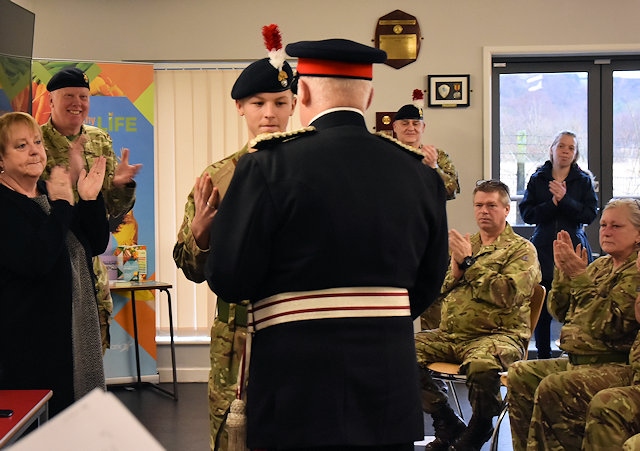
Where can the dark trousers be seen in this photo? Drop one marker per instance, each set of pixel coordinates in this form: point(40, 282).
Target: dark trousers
point(543, 334)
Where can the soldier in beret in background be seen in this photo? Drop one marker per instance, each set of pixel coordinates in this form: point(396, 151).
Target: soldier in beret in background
point(263, 95)
point(337, 237)
point(409, 126)
point(71, 143)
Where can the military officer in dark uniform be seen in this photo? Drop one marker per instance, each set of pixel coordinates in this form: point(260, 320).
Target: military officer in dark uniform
point(338, 237)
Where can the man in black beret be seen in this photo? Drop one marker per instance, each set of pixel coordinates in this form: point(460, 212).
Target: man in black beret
point(330, 235)
point(72, 143)
point(263, 96)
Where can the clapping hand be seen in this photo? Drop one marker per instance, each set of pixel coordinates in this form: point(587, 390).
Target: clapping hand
point(430, 155)
point(558, 190)
point(206, 199)
point(59, 185)
point(572, 263)
point(89, 185)
point(125, 172)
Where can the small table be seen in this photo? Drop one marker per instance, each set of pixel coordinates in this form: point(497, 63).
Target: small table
point(28, 407)
point(132, 287)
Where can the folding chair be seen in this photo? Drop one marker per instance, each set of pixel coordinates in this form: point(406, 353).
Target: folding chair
point(450, 372)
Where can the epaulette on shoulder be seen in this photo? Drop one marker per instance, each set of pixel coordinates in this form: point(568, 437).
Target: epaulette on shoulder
point(268, 140)
point(411, 150)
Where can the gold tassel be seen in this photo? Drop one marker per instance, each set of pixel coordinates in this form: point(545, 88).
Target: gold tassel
point(237, 426)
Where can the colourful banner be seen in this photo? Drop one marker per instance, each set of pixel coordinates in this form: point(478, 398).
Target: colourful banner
point(15, 81)
point(122, 104)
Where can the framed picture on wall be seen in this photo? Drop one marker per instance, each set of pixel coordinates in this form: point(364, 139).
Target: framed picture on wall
point(448, 91)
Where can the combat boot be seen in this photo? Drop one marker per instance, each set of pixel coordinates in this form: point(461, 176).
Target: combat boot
point(448, 426)
point(476, 435)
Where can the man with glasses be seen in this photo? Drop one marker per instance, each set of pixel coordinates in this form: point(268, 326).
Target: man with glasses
point(485, 318)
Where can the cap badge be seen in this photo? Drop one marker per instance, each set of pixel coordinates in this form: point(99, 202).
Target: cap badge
point(283, 78)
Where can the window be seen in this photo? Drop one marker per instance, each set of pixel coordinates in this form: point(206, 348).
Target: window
point(598, 98)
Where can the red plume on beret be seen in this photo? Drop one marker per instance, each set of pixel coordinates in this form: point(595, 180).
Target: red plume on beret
point(418, 98)
point(272, 37)
point(273, 43)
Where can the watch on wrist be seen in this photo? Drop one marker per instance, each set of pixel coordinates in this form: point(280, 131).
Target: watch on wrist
point(466, 263)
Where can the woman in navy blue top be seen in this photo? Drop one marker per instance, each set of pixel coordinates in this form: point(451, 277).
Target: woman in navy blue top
point(559, 196)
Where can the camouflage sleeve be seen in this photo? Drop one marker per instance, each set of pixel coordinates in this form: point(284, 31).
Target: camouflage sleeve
point(186, 253)
point(634, 360)
point(448, 173)
point(558, 299)
point(599, 300)
point(505, 279)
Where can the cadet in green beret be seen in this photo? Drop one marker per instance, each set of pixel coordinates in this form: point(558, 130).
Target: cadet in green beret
point(72, 143)
point(263, 96)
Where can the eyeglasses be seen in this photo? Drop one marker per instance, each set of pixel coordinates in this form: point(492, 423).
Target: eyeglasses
point(492, 184)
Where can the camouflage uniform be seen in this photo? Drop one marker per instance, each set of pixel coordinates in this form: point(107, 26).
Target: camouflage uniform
point(448, 173)
point(485, 320)
point(599, 326)
point(430, 319)
point(614, 413)
point(117, 200)
point(229, 329)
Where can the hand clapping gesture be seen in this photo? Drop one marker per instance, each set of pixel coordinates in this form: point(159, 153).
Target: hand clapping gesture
point(125, 172)
point(460, 247)
point(558, 190)
point(572, 263)
point(206, 200)
point(59, 185)
point(89, 185)
point(430, 155)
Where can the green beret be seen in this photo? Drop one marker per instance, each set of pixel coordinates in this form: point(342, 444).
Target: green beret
point(261, 76)
point(70, 77)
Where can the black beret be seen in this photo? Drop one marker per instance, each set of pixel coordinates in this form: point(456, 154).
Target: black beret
point(261, 76)
point(336, 58)
point(409, 112)
point(70, 77)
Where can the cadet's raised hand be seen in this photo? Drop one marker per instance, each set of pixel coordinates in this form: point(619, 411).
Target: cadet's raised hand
point(206, 199)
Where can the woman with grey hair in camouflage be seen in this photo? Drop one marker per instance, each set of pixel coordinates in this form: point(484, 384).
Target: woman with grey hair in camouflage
point(613, 419)
point(549, 399)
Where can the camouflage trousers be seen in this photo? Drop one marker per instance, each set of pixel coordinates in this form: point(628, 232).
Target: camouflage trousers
point(548, 400)
point(479, 357)
point(104, 301)
point(227, 346)
point(613, 417)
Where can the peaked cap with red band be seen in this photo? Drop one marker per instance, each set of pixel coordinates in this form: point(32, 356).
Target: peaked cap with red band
point(340, 58)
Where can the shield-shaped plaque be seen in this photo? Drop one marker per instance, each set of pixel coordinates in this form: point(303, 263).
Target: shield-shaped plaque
point(398, 34)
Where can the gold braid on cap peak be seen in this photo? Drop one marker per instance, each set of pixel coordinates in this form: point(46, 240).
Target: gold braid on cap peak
point(266, 140)
point(415, 152)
